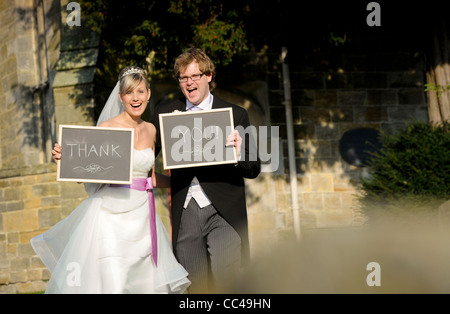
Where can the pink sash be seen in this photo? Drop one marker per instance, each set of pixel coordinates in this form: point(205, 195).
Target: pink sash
point(146, 184)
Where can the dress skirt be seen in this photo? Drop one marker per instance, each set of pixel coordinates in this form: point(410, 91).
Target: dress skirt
point(104, 246)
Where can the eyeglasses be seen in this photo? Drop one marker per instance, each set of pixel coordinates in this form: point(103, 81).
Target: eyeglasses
point(195, 77)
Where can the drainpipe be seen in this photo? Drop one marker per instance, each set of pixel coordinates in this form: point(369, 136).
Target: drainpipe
point(291, 144)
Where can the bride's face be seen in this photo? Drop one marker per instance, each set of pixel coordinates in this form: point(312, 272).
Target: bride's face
point(135, 101)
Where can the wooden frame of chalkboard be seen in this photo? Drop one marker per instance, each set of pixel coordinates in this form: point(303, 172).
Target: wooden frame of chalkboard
point(196, 138)
point(96, 154)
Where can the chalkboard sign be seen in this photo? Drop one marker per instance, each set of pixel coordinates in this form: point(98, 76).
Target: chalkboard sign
point(192, 139)
point(95, 154)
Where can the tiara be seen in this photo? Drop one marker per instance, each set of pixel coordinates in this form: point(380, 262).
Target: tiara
point(132, 71)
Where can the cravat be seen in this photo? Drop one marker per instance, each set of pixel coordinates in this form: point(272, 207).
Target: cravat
point(194, 108)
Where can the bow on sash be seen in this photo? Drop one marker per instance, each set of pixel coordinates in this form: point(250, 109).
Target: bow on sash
point(146, 184)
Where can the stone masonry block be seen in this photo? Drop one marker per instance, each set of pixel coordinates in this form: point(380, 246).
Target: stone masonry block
point(14, 206)
point(36, 262)
point(371, 114)
point(51, 201)
point(314, 114)
point(263, 221)
point(326, 98)
point(74, 77)
point(370, 80)
point(402, 113)
point(19, 263)
point(327, 132)
point(321, 182)
point(406, 79)
point(72, 190)
point(25, 237)
point(49, 189)
point(20, 220)
point(11, 194)
point(341, 114)
point(332, 200)
point(334, 218)
point(338, 80)
point(411, 96)
point(77, 59)
point(5, 278)
point(382, 97)
point(49, 217)
point(25, 250)
point(352, 98)
point(32, 203)
point(307, 80)
point(312, 201)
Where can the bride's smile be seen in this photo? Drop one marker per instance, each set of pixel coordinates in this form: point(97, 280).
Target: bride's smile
point(135, 101)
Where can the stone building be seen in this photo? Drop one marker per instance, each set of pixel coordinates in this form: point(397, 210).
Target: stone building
point(47, 71)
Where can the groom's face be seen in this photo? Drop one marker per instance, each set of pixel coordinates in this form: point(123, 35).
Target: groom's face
point(194, 91)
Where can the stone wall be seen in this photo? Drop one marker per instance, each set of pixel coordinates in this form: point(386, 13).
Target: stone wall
point(43, 76)
point(25, 103)
point(31, 202)
point(331, 94)
point(29, 49)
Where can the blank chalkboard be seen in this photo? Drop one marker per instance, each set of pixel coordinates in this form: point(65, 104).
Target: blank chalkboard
point(95, 154)
point(192, 139)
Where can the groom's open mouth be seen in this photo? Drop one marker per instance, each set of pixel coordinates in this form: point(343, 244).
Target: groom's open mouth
point(191, 90)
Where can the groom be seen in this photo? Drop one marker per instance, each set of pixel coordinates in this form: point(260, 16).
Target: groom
point(209, 214)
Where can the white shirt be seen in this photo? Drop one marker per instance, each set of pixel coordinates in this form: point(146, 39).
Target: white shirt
point(206, 104)
point(195, 190)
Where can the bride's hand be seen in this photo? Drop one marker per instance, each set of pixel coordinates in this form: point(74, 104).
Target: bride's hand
point(56, 152)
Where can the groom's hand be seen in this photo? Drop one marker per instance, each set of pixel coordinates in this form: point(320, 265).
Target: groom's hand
point(234, 139)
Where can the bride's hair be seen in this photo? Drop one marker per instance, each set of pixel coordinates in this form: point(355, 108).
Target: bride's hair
point(130, 77)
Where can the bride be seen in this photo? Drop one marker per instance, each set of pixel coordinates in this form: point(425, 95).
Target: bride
point(114, 241)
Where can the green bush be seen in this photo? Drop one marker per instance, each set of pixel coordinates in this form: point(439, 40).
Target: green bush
point(410, 172)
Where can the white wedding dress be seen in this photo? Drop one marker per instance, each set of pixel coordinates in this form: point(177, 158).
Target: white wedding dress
point(104, 245)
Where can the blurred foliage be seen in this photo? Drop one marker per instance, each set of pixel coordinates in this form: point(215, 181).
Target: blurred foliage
point(411, 171)
point(155, 32)
point(438, 89)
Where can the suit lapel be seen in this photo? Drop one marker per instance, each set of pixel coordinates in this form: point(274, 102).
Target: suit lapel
point(217, 103)
point(179, 105)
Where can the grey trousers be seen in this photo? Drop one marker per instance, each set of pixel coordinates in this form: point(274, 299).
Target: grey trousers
point(209, 249)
